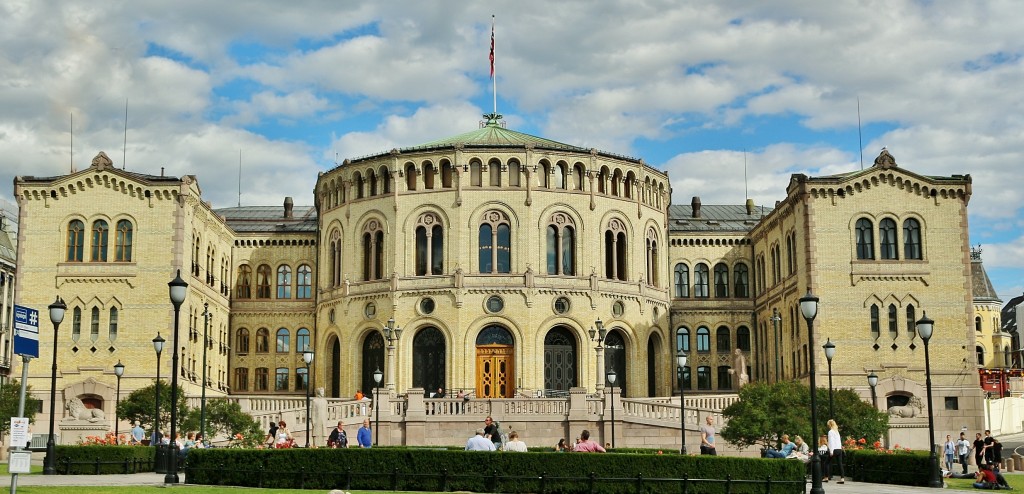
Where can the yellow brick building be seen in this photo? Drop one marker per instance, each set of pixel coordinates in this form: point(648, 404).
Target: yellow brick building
point(514, 265)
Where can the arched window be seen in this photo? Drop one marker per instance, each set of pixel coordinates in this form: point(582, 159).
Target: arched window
point(262, 340)
point(301, 340)
point(410, 176)
point(545, 175)
point(429, 245)
point(629, 185)
point(743, 338)
point(561, 245)
point(336, 257)
point(893, 328)
point(263, 281)
point(577, 176)
point(94, 325)
point(865, 239)
point(112, 325)
point(682, 281)
point(602, 181)
point(76, 324)
point(385, 179)
point(615, 358)
point(616, 181)
point(373, 255)
point(494, 172)
point(243, 286)
point(703, 339)
point(475, 177)
point(652, 257)
point(373, 359)
point(559, 176)
point(979, 351)
point(514, 172)
point(282, 340)
point(304, 283)
point(76, 241)
point(429, 357)
point(911, 322)
point(977, 323)
point(887, 238)
point(123, 242)
point(242, 341)
point(495, 243)
point(284, 281)
point(721, 280)
point(683, 339)
point(876, 329)
point(360, 185)
point(701, 286)
point(615, 245)
point(911, 239)
point(446, 174)
point(723, 340)
point(100, 234)
point(371, 178)
point(704, 377)
point(428, 175)
point(742, 280)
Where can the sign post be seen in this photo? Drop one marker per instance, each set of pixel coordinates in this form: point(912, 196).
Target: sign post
point(26, 344)
point(26, 332)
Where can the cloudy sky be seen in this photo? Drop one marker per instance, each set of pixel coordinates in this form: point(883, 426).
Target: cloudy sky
point(694, 88)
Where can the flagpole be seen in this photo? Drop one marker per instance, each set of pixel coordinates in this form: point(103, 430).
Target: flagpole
point(494, 80)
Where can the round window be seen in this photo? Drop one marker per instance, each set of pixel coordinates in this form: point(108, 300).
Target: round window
point(370, 310)
point(427, 305)
point(495, 304)
point(561, 305)
point(618, 308)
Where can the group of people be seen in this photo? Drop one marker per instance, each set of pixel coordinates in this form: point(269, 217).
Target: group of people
point(830, 450)
point(988, 455)
point(280, 437)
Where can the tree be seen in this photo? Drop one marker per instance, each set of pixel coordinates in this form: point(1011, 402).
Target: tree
point(10, 395)
point(223, 418)
point(765, 412)
point(141, 403)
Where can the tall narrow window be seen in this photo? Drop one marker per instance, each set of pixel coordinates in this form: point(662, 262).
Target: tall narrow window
point(721, 280)
point(893, 328)
point(615, 250)
point(282, 340)
point(76, 241)
point(100, 234)
point(76, 324)
point(410, 176)
point(486, 249)
point(742, 280)
point(371, 179)
point(887, 238)
point(360, 185)
point(724, 377)
point(701, 286)
point(385, 179)
point(262, 340)
point(302, 340)
point(911, 239)
point(243, 286)
point(561, 245)
point(123, 248)
point(281, 379)
point(743, 338)
point(703, 339)
point(652, 257)
point(514, 172)
point(112, 325)
point(682, 281)
point(94, 325)
point(704, 377)
point(263, 281)
point(262, 376)
point(301, 379)
point(304, 283)
point(911, 322)
point(683, 339)
point(494, 172)
point(429, 172)
point(475, 177)
point(429, 245)
point(241, 379)
point(495, 243)
point(242, 341)
point(865, 239)
point(722, 340)
point(284, 281)
point(875, 328)
point(446, 174)
point(373, 255)
point(336, 258)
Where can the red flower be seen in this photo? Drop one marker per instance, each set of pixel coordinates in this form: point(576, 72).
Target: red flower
point(861, 441)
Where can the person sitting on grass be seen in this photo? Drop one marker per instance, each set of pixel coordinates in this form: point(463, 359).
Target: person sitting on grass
point(782, 452)
point(985, 478)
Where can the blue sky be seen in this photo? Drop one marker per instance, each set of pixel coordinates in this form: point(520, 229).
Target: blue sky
point(694, 88)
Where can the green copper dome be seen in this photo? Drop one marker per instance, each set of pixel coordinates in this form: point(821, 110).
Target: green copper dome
point(493, 134)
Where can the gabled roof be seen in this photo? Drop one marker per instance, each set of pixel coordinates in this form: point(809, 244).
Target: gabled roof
point(267, 219)
point(729, 218)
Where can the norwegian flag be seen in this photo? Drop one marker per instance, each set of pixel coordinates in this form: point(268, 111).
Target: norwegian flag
point(492, 47)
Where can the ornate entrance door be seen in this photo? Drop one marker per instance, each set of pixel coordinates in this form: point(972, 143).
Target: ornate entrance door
point(495, 371)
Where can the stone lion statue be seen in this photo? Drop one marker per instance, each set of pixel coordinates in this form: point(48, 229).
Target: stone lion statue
point(910, 410)
point(80, 412)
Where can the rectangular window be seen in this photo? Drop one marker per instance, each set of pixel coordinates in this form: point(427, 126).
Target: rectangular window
point(241, 379)
point(262, 375)
point(704, 377)
point(301, 379)
point(724, 377)
point(112, 326)
point(281, 379)
point(952, 403)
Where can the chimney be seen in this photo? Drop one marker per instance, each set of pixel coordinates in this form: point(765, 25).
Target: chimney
point(288, 207)
point(695, 205)
point(750, 207)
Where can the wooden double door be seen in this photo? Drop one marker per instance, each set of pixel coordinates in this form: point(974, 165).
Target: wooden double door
point(495, 371)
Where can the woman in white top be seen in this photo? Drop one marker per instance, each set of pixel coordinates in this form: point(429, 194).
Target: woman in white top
point(835, 445)
point(514, 444)
point(284, 438)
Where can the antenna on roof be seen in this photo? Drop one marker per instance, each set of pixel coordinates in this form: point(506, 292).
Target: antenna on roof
point(860, 138)
point(124, 147)
point(239, 177)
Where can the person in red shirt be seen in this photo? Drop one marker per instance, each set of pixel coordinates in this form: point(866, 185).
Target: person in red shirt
point(985, 478)
point(586, 445)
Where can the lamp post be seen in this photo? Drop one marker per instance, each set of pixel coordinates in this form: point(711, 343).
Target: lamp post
point(158, 346)
point(118, 371)
point(377, 375)
point(924, 328)
point(873, 381)
point(776, 319)
point(809, 309)
point(611, 380)
point(391, 333)
point(57, 309)
point(177, 289)
point(681, 360)
point(597, 336)
point(830, 351)
point(202, 398)
point(307, 357)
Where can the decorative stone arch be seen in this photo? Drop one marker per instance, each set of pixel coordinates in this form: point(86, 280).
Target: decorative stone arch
point(89, 388)
point(899, 385)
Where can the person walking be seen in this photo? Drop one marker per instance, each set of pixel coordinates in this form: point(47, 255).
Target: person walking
point(979, 450)
point(949, 449)
point(835, 445)
point(364, 436)
point(338, 437)
point(707, 438)
point(825, 459)
point(963, 449)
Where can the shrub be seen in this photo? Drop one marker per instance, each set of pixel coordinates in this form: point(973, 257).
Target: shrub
point(96, 460)
point(888, 466)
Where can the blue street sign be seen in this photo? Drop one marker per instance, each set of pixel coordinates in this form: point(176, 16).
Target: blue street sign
point(26, 331)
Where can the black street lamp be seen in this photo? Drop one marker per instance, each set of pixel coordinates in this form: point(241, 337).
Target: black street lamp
point(158, 346)
point(202, 398)
point(377, 376)
point(830, 351)
point(873, 381)
point(57, 309)
point(776, 319)
point(177, 289)
point(611, 380)
point(597, 336)
point(118, 371)
point(809, 309)
point(681, 360)
point(924, 328)
point(307, 357)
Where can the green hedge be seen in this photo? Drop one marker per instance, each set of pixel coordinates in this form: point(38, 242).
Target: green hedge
point(440, 470)
point(95, 460)
point(902, 468)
